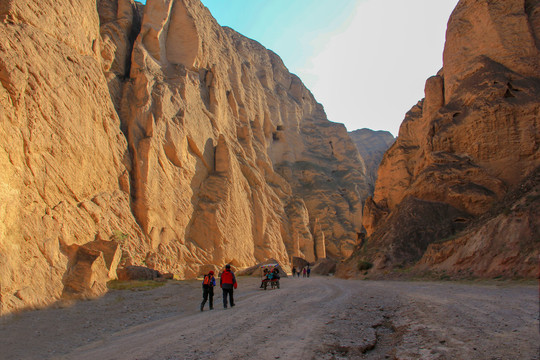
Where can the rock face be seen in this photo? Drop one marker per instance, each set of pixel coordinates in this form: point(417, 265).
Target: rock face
point(233, 158)
point(372, 145)
point(62, 154)
point(474, 137)
point(155, 129)
point(504, 242)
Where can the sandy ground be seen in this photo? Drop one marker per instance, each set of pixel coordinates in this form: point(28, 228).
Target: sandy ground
point(314, 318)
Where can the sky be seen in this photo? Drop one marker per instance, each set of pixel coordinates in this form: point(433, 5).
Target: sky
point(365, 61)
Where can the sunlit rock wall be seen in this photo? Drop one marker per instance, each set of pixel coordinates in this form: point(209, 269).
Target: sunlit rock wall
point(168, 140)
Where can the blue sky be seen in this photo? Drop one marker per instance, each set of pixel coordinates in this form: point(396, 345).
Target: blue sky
point(366, 61)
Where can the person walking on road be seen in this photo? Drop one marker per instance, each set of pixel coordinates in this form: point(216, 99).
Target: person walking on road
point(293, 272)
point(308, 270)
point(208, 284)
point(227, 282)
point(304, 271)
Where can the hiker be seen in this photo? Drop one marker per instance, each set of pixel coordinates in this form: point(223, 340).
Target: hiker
point(208, 284)
point(298, 272)
point(304, 271)
point(227, 282)
point(308, 270)
point(293, 271)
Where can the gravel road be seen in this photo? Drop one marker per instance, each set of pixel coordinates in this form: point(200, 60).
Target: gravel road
point(313, 318)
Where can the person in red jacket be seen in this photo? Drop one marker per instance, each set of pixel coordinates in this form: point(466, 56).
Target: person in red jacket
point(227, 282)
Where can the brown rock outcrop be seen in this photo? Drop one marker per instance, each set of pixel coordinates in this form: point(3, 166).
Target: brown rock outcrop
point(371, 145)
point(504, 242)
point(476, 134)
point(152, 124)
point(87, 273)
point(137, 273)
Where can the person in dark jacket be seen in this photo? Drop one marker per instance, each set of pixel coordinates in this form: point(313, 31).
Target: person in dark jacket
point(227, 282)
point(209, 282)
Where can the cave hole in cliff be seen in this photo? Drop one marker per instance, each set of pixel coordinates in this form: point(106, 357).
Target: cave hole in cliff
point(275, 136)
point(279, 128)
point(460, 220)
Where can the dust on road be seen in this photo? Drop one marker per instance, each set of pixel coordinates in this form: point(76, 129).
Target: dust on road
point(313, 318)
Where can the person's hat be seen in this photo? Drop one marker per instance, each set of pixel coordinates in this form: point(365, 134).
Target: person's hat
point(211, 272)
point(228, 266)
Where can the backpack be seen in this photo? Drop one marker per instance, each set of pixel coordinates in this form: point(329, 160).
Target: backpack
point(207, 280)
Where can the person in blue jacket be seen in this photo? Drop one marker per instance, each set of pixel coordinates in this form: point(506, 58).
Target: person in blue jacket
point(208, 284)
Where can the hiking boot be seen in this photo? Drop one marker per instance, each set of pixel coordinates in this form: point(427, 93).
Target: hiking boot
point(202, 307)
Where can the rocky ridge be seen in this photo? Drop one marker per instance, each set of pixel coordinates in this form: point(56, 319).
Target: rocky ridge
point(149, 135)
point(472, 139)
point(372, 145)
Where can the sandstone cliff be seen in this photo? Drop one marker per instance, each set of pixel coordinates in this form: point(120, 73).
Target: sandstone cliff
point(371, 145)
point(63, 157)
point(474, 137)
point(149, 135)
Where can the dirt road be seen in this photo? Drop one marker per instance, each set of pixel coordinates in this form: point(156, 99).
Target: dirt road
point(315, 318)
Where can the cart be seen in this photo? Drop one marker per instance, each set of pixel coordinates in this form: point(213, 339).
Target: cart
point(269, 277)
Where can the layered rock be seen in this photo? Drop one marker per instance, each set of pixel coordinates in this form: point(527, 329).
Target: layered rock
point(476, 134)
point(156, 130)
point(218, 127)
point(503, 243)
point(62, 153)
point(372, 145)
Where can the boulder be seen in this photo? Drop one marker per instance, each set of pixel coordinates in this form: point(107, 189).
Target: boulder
point(87, 274)
point(324, 267)
point(137, 273)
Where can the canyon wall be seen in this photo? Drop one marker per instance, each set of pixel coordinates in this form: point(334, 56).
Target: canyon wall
point(472, 139)
point(372, 145)
point(63, 157)
point(150, 135)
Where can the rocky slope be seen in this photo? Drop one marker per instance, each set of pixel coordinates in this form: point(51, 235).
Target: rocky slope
point(503, 242)
point(371, 145)
point(474, 138)
point(150, 135)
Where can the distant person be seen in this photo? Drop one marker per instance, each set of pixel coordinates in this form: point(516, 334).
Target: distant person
point(304, 272)
point(308, 271)
point(298, 272)
point(293, 271)
point(227, 282)
point(208, 284)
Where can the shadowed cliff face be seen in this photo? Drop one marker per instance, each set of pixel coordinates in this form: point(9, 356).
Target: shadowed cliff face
point(151, 127)
point(371, 145)
point(474, 137)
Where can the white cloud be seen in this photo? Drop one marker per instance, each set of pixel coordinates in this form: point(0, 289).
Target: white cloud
point(372, 72)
